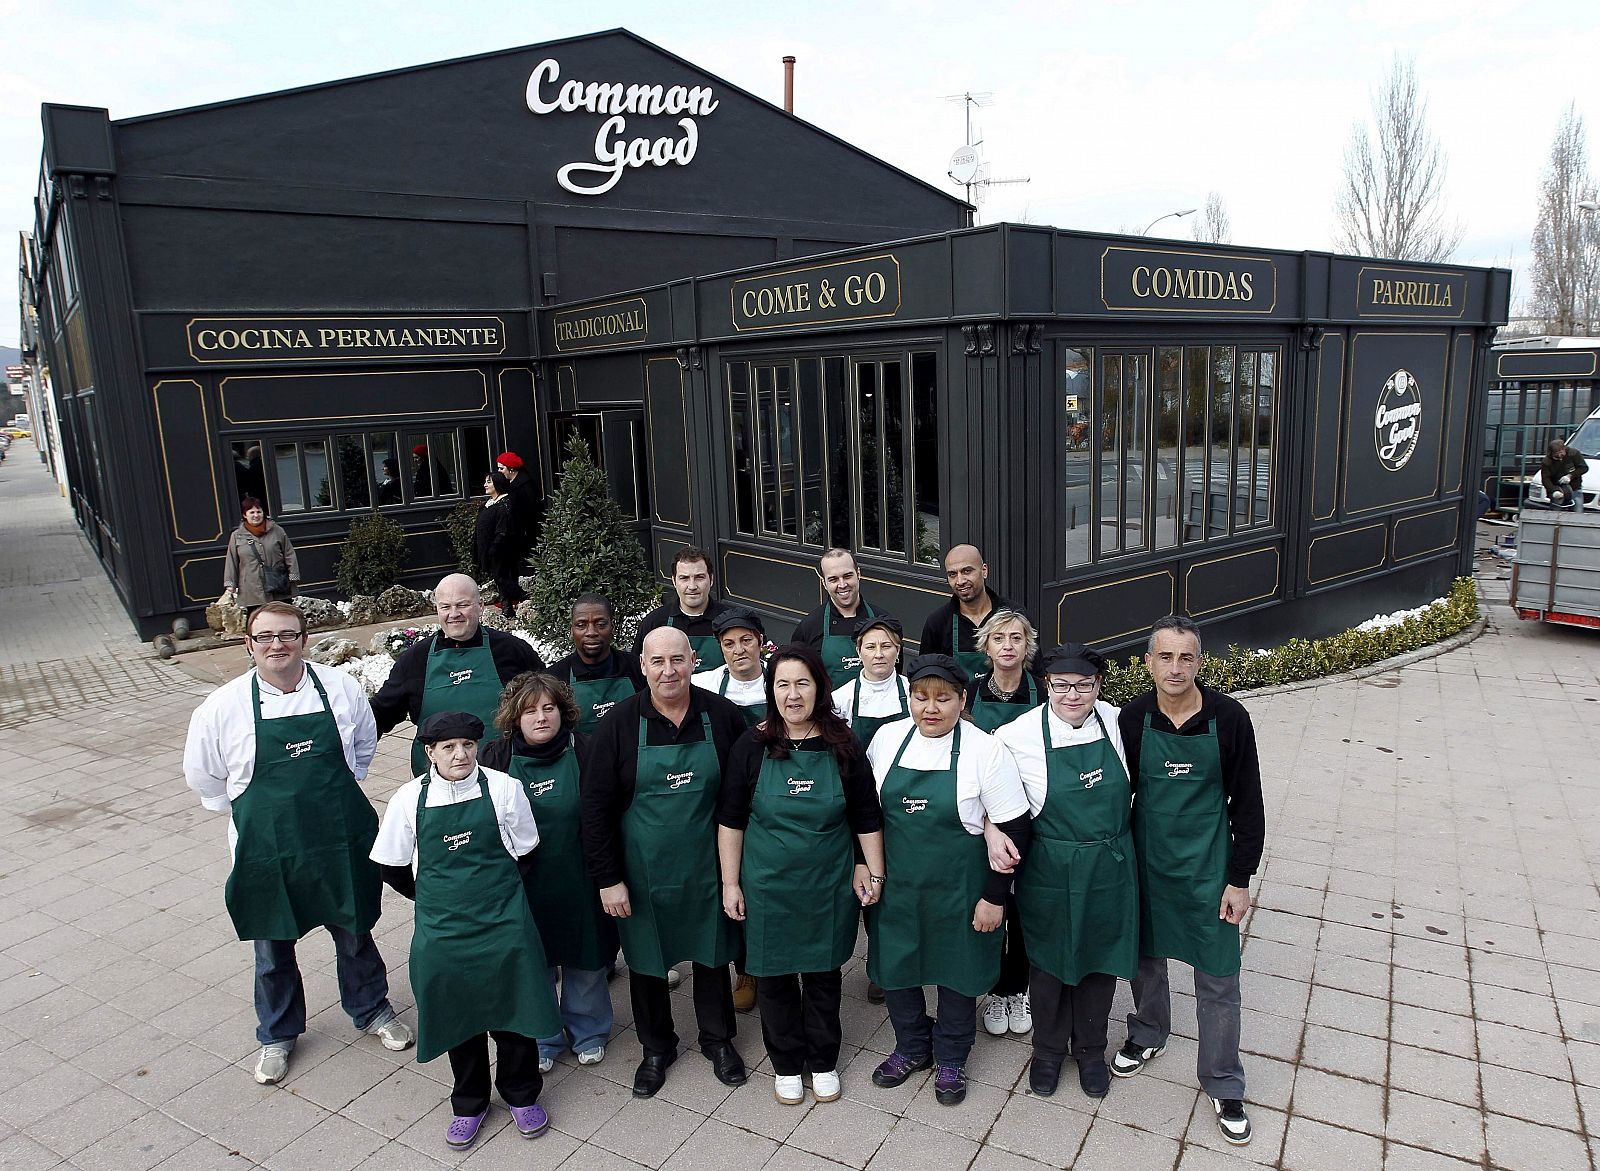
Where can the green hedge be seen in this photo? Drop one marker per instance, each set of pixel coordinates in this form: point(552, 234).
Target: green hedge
point(1242, 669)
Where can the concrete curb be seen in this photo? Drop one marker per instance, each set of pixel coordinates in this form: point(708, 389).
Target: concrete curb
point(1443, 646)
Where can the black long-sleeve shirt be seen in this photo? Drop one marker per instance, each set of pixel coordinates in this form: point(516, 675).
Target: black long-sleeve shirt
point(697, 625)
point(1241, 768)
point(617, 663)
point(809, 630)
point(861, 809)
point(497, 754)
point(936, 630)
point(400, 697)
point(610, 775)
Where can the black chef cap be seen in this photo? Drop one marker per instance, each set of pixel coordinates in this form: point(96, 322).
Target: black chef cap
point(937, 667)
point(1073, 658)
point(451, 726)
point(736, 616)
point(888, 621)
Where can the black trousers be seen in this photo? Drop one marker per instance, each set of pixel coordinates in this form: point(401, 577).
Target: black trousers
point(1013, 978)
point(800, 1021)
point(1070, 1019)
point(517, 1077)
point(652, 1009)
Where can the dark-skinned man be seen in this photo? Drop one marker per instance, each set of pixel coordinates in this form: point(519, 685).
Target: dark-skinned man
point(691, 608)
point(1198, 827)
point(600, 674)
point(830, 628)
point(952, 629)
point(650, 791)
point(462, 667)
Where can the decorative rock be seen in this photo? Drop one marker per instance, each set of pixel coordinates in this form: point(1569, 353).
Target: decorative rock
point(332, 652)
point(526, 613)
point(226, 617)
point(320, 613)
point(364, 610)
point(399, 602)
point(180, 628)
point(494, 619)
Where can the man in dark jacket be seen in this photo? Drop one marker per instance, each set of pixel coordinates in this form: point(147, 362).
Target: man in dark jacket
point(1562, 471)
point(527, 503)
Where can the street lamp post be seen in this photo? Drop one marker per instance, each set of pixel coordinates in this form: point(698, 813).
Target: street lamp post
point(1169, 215)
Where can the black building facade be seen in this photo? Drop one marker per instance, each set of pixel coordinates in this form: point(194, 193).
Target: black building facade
point(326, 297)
point(1274, 443)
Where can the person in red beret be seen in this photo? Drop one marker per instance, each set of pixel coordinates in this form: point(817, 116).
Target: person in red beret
point(526, 503)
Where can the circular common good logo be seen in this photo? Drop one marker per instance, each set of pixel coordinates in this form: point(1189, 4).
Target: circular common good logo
point(1398, 423)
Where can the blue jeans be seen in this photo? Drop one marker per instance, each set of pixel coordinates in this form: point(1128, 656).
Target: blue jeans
point(585, 1011)
point(281, 995)
point(949, 1037)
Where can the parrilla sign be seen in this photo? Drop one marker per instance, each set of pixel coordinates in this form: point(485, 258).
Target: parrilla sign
point(1406, 292)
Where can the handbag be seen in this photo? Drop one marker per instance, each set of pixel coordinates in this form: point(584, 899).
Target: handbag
point(277, 579)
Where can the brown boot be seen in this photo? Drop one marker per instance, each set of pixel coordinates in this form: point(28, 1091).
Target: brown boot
point(744, 993)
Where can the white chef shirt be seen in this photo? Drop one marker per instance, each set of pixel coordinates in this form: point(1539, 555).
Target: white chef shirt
point(1025, 739)
point(744, 694)
point(397, 833)
point(219, 758)
point(986, 776)
point(877, 699)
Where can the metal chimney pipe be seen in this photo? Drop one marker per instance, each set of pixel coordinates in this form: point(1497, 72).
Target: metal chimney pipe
point(788, 85)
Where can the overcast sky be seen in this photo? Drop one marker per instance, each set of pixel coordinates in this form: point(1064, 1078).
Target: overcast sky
point(1115, 112)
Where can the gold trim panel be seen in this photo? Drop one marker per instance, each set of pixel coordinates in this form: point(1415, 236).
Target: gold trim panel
point(649, 416)
point(1455, 532)
point(1316, 425)
point(1172, 600)
point(166, 462)
point(1277, 569)
point(1438, 451)
point(1382, 557)
point(222, 394)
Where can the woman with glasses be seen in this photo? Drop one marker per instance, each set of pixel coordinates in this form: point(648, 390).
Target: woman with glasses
point(1078, 895)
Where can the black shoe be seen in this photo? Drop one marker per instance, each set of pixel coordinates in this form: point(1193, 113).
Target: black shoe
point(895, 1068)
point(1131, 1058)
point(1094, 1077)
point(874, 993)
point(651, 1074)
point(1044, 1074)
point(725, 1063)
point(1232, 1121)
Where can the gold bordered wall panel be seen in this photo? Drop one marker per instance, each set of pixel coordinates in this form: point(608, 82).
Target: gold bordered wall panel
point(1326, 429)
point(332, 398)
point(1455, 439)
point(518, 401)
point(1346, 553)
point(1110, 612)
point(1434, 531)
point(666, 546)
point(666, 417)
point(769, 582)
point(1231, 581)
point(1394, 429)
point(200, 578)
point(183, 429)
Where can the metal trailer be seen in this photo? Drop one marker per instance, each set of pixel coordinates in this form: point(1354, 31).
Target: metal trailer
point(1556, 576)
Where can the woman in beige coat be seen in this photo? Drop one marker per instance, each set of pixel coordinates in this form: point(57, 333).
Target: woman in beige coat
point(260, 566)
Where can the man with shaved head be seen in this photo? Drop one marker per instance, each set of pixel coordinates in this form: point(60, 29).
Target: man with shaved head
point(462, 668)
point(952, 629)
point(649, 792)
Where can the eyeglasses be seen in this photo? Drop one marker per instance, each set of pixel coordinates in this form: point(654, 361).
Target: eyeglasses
point(286, 637)
point(1082, 687)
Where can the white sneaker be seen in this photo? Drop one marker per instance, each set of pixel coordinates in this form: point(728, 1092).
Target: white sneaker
point(996, 1020)
point(789, 1089)
point(273, 1064)
point(1019, 1013)
point(546, 1064)
point(395, 1034)
point(592, 1056)
point(825, 1086)
point(674, 978)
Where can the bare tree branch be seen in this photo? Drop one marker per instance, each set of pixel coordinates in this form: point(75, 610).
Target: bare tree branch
point(1566, 239)
point(1391, 200)
point(1214, 226)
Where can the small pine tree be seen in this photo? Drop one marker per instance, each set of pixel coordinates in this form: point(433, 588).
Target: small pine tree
point(586, 547)
point(461, 523)
point(371, 559)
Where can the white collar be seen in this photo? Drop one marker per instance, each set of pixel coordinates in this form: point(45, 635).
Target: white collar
point(269, 689)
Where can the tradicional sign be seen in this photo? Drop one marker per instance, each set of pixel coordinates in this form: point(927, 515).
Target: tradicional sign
point(594, 326)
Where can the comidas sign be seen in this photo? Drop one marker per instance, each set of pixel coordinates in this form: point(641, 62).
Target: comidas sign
point(1398, 422)
point(614, 151)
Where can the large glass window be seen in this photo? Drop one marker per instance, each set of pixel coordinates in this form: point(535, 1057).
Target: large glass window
point(1174, 445)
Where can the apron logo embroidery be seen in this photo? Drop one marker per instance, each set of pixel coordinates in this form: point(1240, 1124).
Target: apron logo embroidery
point(678, 780)
point(459, 677)
point(600, 709)
point(540, 788)
point(1178, 770)
point(850, 662)
point(1091, 779)
point(298, 747)
point(454, 842)
point(798, 785)
point(914, 804)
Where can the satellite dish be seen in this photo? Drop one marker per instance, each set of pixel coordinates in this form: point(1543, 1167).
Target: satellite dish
point(964, 164)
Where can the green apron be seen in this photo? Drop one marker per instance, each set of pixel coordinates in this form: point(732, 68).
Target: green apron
point(989, 715)
point(920, 931)
point(971, 661)
point(596, 697)
point(458, 679)
point(866, 727)
point(753, 714)
point(1181, 838)
point(476, 961)
point(839, 650)
point(575, 931)
point(800, 913)
point(1078, 895)
point(706, 648)
point(305, 832)
point(669, 859)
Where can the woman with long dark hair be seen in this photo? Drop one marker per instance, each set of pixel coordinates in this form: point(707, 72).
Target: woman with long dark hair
point(797, 801)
